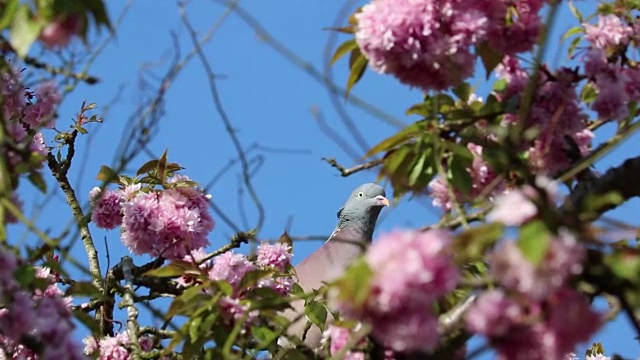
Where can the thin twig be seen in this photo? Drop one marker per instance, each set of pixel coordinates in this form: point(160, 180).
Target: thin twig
point(307, 67)
point(350, 171)
point(334, 135)
point(224, 117)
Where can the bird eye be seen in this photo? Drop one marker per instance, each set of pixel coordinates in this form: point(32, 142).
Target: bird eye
point(360, 194)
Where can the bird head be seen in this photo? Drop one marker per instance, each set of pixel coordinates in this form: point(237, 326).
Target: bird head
point(363, 207)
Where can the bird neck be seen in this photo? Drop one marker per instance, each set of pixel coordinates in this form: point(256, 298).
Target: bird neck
point(361, 228)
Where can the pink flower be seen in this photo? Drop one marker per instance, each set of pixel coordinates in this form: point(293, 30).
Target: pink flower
point(481, 175)
point(339, 336)
point(274, 255)
point(513, 208)
point(38, 145)
point(493, 314)
point(281, 284)
point(233, 311)
point(408, 330)
point(168, 223)
point(41, 113)
point(107, 209)
point(562, 260)
point(534, 330)
point(555, 113)
point(426, 44)
point(440, 194)
point(231, 268)
point(611, 101)
point(410, 267)
point(411, 270)
point(115, 347)
point(58, 33)
point(608, 33)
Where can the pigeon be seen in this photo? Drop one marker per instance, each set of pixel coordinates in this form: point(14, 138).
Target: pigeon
point(356, 222)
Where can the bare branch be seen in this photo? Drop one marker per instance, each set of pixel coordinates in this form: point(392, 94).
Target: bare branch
point(333, 135)
point(224, 117)
point(616, 179)
point(350, 171)
point(307, 67)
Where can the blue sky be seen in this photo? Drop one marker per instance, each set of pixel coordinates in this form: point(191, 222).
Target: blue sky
point(270, 103)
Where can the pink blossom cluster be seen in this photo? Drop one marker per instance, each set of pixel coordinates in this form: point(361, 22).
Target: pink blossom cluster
point(168, 222)
point(517, 206)
point(411, 271)
point(555, 113)
point(535, 315)
point(58, 33)
point(114, 347)
point(481, 175)
point(232, 268)
point(43, 317)
point(338, 337)
point(25, 112)
point(617, 84)
point(428, 43)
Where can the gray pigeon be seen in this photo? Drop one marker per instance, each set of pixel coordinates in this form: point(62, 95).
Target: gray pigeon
point(356, 222)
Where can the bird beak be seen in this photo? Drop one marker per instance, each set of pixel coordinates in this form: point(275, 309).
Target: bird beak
point(381, 200)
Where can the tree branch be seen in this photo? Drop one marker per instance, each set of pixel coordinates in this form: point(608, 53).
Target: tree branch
point(350, 171)
point(617, 179)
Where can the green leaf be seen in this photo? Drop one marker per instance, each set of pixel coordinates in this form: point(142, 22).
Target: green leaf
point(297, 290)
point(442, 102)
point(573, 31)
point(463, 91)
point(422, 109)
point(418, 167)
point(534, 241)
point(99, 12)
point(87, 320)
point(402, 136)
point(24, 30)
point(37, 180)
point(472, 244)
point(573, 45)
point(458, 174)
point(8, 12)
point(595, 350)
point(316, 313)
point(357, 66)
point(343, 49)
point(576, 12)
point(107, 175)
point(174, 269)
point(82, 288)
point(489, 56)
point(266, 298)
point(161, 168)
point(252, 277)
point(625, 264)
point(596, 203)
point(194, 329)
point(25, 275)
point(354, 285)
point(81, 130)
point(588, 93)
point(147, 167)
point(293, 354)
point(491, 106)
point(265, 336)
